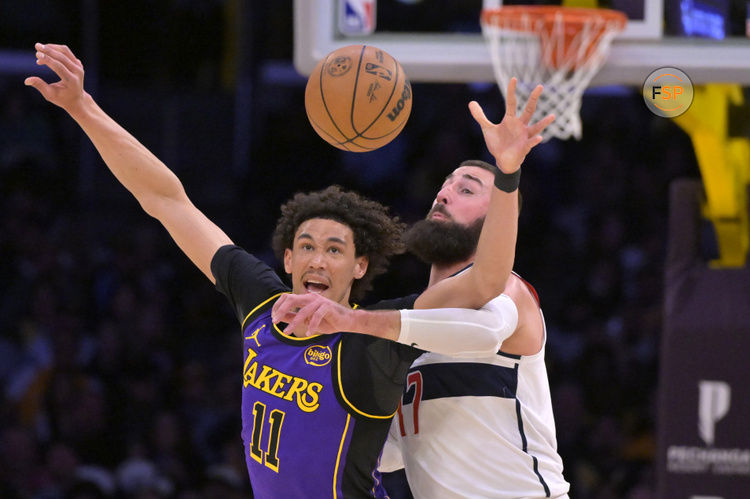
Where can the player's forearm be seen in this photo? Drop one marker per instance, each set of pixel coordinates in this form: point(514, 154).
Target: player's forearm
point(496, 250)
point(137, 169)
point(460, 331)
point(449, 331)
point(384, 324)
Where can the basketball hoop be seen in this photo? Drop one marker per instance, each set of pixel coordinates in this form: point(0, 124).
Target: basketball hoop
point(560, 47)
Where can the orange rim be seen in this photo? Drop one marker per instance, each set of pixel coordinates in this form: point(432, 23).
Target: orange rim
point(572, 16)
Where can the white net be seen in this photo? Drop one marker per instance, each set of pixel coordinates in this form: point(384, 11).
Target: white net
point(548, 47)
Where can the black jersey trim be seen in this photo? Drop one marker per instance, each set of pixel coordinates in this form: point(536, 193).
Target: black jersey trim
point(338, 455)
point(293, 340)
point(509, 355)
point(279, 333)
point(260, 306)
point(464, 379)
point(343, 395)
point(535, 461)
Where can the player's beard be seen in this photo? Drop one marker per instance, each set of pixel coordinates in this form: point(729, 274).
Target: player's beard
point(443, 242)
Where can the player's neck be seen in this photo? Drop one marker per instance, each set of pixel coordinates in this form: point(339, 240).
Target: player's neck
point(438, 272)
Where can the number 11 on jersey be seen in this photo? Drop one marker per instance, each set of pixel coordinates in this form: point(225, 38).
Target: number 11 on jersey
point(276, 419)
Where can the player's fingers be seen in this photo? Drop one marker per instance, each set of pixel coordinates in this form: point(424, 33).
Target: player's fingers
point(65, 50)
point(540, 125)
point(316, 318)
point(528, 111)
point(285, 318)
point(286, 309)
point(283, 315)
point(533, 141)
point(311, 316)
point(68, 61)
point(39, 84)
point(280, 309)
point(55, 65)
point(478, 114)
point(298, 322)
point(290, 302)
point(510, 98)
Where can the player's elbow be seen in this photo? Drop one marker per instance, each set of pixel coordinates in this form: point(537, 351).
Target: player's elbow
point(161, 204)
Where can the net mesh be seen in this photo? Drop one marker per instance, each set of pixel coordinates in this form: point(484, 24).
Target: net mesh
point(561, 48)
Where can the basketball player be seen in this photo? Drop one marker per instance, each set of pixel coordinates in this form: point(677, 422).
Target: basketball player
point(315, 411)
point(476, 425)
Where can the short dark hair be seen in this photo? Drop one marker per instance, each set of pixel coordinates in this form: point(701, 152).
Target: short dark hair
point(377, 235)
point(492, 169)
point(481, 164)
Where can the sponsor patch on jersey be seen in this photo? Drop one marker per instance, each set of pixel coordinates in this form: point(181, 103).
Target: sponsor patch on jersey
point(318, 355)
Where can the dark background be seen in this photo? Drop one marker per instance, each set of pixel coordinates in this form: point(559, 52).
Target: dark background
point(120, 365)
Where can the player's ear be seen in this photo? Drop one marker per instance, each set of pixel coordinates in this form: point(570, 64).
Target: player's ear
point(288, 261)
point(360, 267)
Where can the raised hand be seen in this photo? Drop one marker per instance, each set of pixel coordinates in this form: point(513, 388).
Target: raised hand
point(310, 314)
point(67, 93)
point(511, 140)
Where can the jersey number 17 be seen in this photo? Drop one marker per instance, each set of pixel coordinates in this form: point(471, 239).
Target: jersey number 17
point(413, 379)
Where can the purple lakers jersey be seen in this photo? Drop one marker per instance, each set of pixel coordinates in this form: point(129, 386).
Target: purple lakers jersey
point(315, 411)
point(296, 432)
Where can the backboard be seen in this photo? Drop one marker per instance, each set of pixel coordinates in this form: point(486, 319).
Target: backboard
point(441, 41)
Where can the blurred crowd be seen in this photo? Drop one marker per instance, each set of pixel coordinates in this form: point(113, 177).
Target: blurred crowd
point(120, 365)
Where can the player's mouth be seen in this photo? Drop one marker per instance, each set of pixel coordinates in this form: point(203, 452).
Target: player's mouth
point(315, 285)
point(438, 212)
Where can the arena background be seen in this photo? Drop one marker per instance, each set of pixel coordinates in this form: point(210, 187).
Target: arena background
point(119, 362)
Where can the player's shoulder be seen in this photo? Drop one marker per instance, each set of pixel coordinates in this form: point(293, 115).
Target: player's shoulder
point(521, 291)
point(528, 338)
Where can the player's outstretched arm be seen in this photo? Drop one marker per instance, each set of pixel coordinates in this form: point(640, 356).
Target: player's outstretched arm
point(509, 142)
point(156, 187)
point(448, 331)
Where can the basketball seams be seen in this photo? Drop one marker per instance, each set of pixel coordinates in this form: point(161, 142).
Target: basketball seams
point(354, 93)
point(397, 67)
point(336, 142)
point(322, 132)
point(395, 130)
point(387, 102)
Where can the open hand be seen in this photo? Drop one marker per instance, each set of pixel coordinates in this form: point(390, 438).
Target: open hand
point(67, 93)
point(511, 140)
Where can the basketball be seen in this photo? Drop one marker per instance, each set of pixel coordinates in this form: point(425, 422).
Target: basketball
point(358, 98)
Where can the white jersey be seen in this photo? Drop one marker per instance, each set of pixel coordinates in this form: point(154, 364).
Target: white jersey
point(477, 428)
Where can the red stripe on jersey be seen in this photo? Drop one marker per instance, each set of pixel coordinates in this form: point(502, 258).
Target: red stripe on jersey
point(531, 288)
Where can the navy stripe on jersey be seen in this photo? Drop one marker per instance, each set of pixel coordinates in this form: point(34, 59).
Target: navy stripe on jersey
point(526, 450)
point(464, 379)
point(508, 355)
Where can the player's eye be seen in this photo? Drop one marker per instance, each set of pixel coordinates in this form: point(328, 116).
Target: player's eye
point(334, 250)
